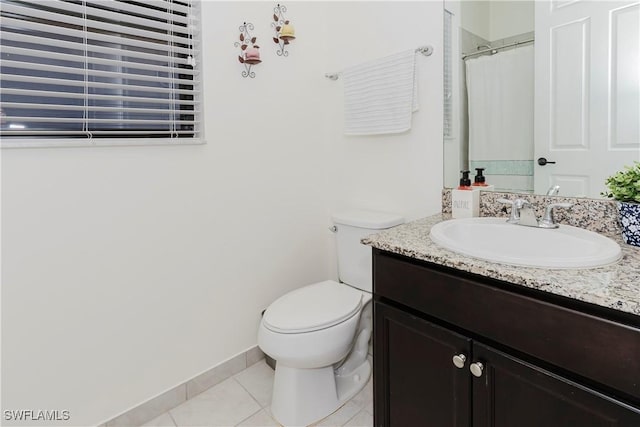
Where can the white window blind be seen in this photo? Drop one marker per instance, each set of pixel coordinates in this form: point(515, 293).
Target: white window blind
point(99, 72)
point(448, 77)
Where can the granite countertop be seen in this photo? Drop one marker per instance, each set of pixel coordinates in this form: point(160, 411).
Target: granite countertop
point(616, 286)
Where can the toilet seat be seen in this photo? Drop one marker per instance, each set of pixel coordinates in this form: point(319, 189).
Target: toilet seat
point(313, 307)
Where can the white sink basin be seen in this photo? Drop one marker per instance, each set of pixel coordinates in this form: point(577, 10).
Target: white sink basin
point(493, 239)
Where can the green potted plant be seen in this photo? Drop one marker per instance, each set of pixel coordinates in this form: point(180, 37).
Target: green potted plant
point(624, 186)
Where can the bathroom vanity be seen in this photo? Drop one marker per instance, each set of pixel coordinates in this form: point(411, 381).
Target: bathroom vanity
point(464, 342)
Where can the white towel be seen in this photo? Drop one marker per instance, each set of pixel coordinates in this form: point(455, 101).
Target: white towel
point(381, 95)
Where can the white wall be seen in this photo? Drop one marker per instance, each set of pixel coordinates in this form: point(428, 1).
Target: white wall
point(476, 17)
point(497, 19)
point(128, 270)
point(510, 18)
point(400, 173)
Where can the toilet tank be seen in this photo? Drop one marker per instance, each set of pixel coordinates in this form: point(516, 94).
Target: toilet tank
point(354, 258)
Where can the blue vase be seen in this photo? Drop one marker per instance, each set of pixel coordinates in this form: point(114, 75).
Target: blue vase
point(630, 220)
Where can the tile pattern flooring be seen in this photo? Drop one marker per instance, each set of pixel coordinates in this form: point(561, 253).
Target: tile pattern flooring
point(244, 400)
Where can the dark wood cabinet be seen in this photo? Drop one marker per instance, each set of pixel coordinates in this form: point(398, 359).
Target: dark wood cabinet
point(537, 363)
point(513, 393)
point(419, 384)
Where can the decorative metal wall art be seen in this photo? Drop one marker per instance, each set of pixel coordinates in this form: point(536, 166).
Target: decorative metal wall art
point(249, 50)
point(284, 31)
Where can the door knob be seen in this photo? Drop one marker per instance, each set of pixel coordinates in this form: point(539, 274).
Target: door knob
point(459, 360)
point(476, 369)
point(542, 161)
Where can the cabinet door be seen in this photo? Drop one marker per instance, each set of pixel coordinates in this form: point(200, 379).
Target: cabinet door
point(416, 382)
point(511, 393)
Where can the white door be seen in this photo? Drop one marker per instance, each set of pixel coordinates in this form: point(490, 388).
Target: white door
point(587, 101)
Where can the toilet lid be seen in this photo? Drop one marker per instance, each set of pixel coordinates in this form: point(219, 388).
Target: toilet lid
point(313, 307)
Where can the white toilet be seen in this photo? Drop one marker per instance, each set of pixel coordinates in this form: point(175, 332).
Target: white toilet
point(319, 334)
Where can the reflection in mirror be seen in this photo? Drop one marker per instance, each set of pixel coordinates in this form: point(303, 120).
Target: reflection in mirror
point(542, 95)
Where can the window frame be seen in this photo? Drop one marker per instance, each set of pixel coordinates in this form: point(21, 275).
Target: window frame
point(49, 140)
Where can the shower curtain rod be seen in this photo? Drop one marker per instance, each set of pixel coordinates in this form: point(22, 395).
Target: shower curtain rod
point(496, 49)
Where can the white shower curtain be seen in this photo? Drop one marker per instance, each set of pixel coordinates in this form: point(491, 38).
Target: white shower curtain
point(500, 90)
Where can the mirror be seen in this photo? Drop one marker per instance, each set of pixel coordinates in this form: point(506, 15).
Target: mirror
point(543, 95)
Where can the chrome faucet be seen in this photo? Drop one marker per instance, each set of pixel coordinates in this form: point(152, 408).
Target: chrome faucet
point(553, 190)
point(517, 206)
point(522, 213)
point(547, 220)
point(527, 214)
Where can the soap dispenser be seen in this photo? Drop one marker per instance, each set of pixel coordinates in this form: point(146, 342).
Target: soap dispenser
point(465, 182)
point(465, 200)
point(479, 181)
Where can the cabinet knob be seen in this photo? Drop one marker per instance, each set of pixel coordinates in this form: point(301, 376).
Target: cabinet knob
point(459, 360)
point(476, 369)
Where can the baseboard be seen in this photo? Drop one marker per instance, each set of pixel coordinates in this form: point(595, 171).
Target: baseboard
point(168, 400)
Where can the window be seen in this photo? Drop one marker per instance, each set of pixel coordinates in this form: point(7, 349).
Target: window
point(99, 72)
point(448, 77)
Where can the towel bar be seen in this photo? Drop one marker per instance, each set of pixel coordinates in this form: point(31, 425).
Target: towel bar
point(425, 50)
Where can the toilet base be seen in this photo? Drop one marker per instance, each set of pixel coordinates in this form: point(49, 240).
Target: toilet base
point(304, 396)
point(349, 385)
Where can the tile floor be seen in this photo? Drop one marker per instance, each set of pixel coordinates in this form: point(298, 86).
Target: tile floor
point(244, 400)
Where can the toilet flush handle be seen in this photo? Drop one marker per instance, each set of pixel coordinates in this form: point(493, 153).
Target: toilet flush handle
point(333, 229)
